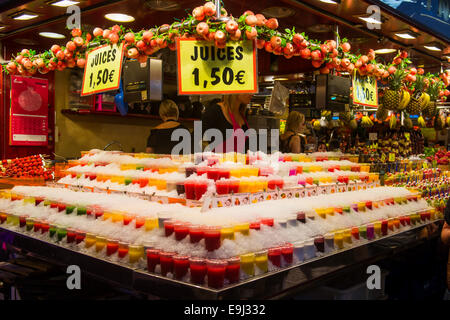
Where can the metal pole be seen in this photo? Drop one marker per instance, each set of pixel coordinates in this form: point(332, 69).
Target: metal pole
point(218, 9)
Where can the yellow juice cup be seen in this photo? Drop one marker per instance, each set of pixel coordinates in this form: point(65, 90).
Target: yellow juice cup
point(361, 206)
point(253, 186)
point(135, 252)
point(107, 215)
point(28, 200)
point(116, 216)
point(339, 239)
point(161, 184)
point(248, 263)
point(235, 173)
point(377, 228)
point(321, 212)
point(244, 186)
point(89, 240)
point(150, 224)
point(100, 243)
point(261, 261)
point(227, 233)
point(348, 235)
point(243, 228)
point(329, 211)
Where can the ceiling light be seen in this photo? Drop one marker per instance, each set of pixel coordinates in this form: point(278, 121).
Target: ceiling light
point(63, 3)
point(281, 78)
point(2, 27)
point(433, 46)
point(370, 20)
point(119, 17)
point(406, 34)
point(24, 15)
point(385, 51)
point(330, 1)
point(52, 35)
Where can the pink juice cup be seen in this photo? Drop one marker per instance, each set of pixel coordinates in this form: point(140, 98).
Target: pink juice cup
point(189, 188)
point(200, 189)
point(198, 270)
point(216, 272)
point(212, 238)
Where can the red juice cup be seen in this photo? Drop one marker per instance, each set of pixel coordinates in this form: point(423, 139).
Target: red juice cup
point(180, 266)
point(61, 207)
point(355, 233)
point(233, 269)
point(45, 226)
point(224, 173)
point(112, 246)
point(216, 272)
point(384, 227)
point(267, 221)
point(274, 256)
point(201, 171)
point(80, 236)
point(71, 235)
point(139, 222)
point(272, 184)
point(181, 230)
point(123, 250)
point(152, 259)
point(233, 186)
point(98, 213)
point(37, 226)
point(166, 261)
point(143, 182)
point(54, 205)
point(256, 225)
point(38, 200)
point(198, 270)
point(22, 221)
point(212, 238)
point(222, 187)
point(189, 188)
point(127, 218)
point(213, 173)
point(196, 233)
point(200, 189)
point(287, 252)
point(168, 227)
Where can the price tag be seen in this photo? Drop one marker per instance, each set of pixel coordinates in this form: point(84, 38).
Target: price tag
point(365, 90)
point(391, 157)
point(103, 69)
point(205, 69)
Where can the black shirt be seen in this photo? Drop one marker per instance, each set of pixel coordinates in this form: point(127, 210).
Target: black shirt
point(160, 139)
point(447, 213)
point(213, 118)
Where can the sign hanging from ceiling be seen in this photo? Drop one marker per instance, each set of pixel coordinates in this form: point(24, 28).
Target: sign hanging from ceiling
point(103, 69)
point(205, 69)
point(365, 90)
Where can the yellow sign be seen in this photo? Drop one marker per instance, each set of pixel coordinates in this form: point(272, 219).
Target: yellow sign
point(391, 157)
point(365, 90)
point(205, 69)
point(103, 69)
point(425, 165)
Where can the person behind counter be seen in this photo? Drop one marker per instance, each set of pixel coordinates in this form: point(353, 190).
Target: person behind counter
point(159, 140)
point(292, 141)
point(227, 114)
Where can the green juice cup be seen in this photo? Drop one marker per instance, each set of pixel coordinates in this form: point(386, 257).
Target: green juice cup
point(61, 233)
point(69, 209)
point(81, 211)
point(363, 232)
point(29, 224)
point(52, 230)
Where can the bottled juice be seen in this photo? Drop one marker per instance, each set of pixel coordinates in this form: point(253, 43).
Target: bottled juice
point(227, 232)
point(216, 272)
point(166, 261)
point(152, 259)
point(111, 246)
point(196, 233)
point(232, 271)
point(212, 238)
point(135, 252)
point(180, 266)
point(248, 264)
point(197, 267)
point(262, 261)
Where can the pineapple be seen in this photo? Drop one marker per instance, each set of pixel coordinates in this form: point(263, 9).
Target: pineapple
point(430, 108)
point(393, 95)
point(382, 113)
point(413, 106)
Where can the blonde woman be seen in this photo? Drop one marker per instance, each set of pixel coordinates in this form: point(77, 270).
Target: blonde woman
point(159, 140)
point(292, 140)
point(227, 114)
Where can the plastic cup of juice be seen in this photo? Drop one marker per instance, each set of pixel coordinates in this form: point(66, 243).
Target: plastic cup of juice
point(355, 233)
point(150, 224)
point(197, 266)
point(100, 243)
point(363, 232)
point(232, 271)
point(180, 266)
point(166, 261)
point(90, 240)
point(222, 187)
point(267, 221)
point(216, 272)
point(61, 233)
point(189, 187)
point(255, 225)
point(319, 242)
point(233, 186)
point(112, 246)
point(299, 251)
point(181, 230)
point(244, 186)
point(22, 219)
point(287, 253)
point(370, 231)
point(80, 236)
point(243, 228)
point(348, 235)
point(377, 228)
point(212, 238)
point(123, 250)
point(71, 235)
point(274, 256)
point(169, 227)
point(248, 264)
point(152, 259)
point(261, 261)
point(196, 233)
point(227, 232)
point(310, 249)
point(200, 189)
point(339, 239)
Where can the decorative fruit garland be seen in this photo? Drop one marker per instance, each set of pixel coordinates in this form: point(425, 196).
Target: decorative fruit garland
point(203, 25)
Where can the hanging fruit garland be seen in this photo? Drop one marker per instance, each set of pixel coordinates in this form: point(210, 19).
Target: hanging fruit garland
point(203, 24)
